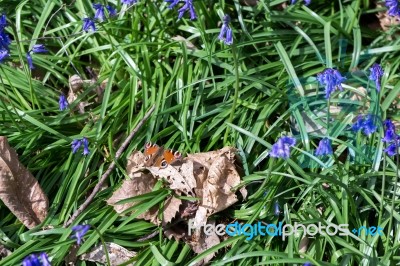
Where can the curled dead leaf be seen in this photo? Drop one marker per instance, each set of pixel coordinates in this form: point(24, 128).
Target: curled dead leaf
point(138, 184)
point(201, 242)
point(19, 190)
point(116, 254)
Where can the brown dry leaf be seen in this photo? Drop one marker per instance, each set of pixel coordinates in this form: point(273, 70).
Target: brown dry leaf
point(4, 252)
point(207, 158)
point(222, 177)
point(72, 96)
point(116, 254)
point(201, 242)
point(171, 208)
point(139, 184)
point(76, 85)
point(188, 43)
point(175, 178)
point(216, 175)
point(19, 190)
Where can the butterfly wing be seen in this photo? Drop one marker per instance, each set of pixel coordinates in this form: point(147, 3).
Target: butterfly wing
point(151, 153)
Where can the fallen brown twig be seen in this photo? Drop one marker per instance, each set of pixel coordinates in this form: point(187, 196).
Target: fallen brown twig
point(97, 188)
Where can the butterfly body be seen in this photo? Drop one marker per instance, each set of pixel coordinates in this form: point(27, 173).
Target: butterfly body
point(158, 156)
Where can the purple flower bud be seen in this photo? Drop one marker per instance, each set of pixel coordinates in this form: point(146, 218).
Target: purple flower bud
point(85, 146)
point(3, 55)
point(366, 124)
point(173, 3)
point(3, 22)
point(31, 260)
point(393, 7)
point(281, 149)
point(29, 58)
point(79, 231)
point(88, 23)
point(188, 6)
point(76, 144)
point(226, 32)
point(39, 48)
point(63, 104)
point(331, 79)
point(376, 74)
point(45, 259)
point(324, 147)
point(99, 15)
point(128, 2)
point(112, 12)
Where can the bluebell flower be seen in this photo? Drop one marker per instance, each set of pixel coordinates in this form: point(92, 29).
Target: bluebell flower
point(79, 231)
point(392, 149)
point(45, 259)
point(331, 79)
point(369, 125)
point(3, 22)
point(62, 102)
point(85, 146)
point(277, 211)
point(173, 3)
point(307, 264)
point(3, 55)
point(281, 149)
point(88, 23)
point(29, 59)
point(33, 260)
point(324, 147)
point(390, 131)
point(5, 40)
point(128, 2)
point(376, 74)
point(358, 124)
point(39, 48)
point(307, 2)
point(226, 32)
point(99, 15)
point(112, 12)
point(391, 138)
point(393, 7)
point(187, 6)
point(76, 144)
point(366, 124)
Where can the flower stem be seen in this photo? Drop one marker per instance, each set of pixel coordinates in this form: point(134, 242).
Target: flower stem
point(393, 198)
point(236, 95)
point(382, 191)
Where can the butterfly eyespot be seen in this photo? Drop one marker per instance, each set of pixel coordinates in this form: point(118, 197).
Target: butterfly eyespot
point(164, 164)
point(148, 145)
point(147, 158)
point(177, 155)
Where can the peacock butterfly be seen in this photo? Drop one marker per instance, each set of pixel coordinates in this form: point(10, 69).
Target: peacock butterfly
point(158, 156)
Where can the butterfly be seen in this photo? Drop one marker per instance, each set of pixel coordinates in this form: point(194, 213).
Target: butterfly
point(158, 156)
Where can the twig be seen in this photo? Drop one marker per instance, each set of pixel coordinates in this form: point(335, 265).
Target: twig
point(110, 168)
